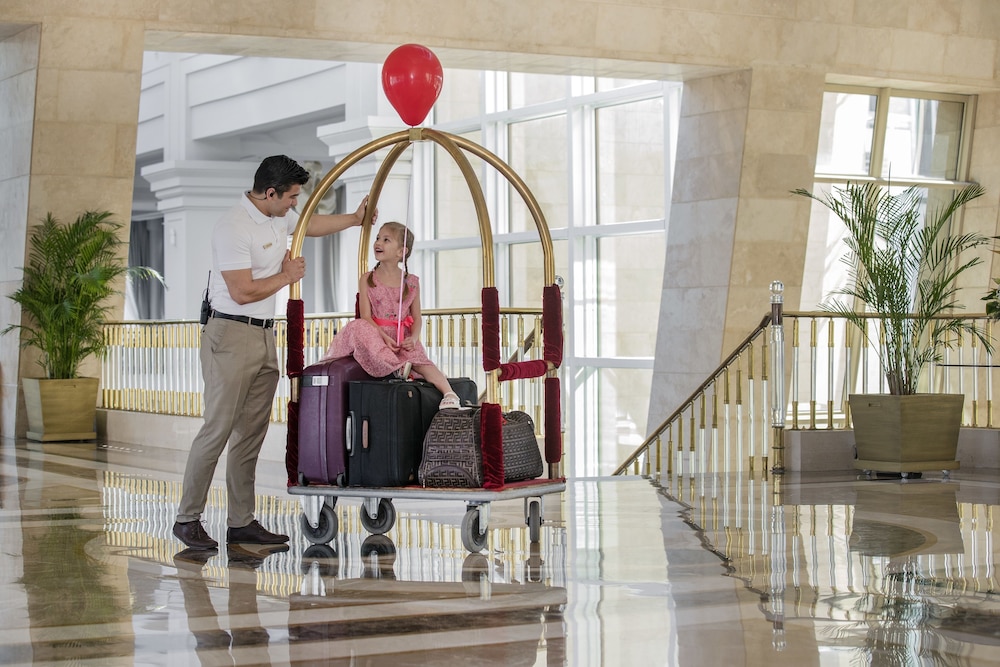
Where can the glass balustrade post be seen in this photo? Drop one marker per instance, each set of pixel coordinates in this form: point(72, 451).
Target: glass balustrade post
point(777, 393)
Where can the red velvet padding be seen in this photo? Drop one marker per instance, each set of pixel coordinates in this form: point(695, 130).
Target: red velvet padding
point(296, 335)
point(553, 421)
point(491, 434)
point(491, 329)
point(294, 363)
point(535, 368)
point(552, 325)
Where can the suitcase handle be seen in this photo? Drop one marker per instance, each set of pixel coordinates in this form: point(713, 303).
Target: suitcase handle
point(349, 433)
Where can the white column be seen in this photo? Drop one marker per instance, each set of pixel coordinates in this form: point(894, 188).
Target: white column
point(192, 195)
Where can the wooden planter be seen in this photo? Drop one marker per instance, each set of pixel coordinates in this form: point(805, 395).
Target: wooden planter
point(61, 409)
point(906, 433)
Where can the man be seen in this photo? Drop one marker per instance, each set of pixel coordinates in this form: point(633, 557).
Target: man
point(250, 264)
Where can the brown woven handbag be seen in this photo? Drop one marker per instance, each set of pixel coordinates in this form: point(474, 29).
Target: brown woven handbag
point(452, 455)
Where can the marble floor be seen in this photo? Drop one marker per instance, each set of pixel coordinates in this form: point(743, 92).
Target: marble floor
point(705, 570)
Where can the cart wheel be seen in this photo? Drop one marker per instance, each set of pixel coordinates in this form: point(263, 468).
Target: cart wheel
point(325, 531)
point(382, 523)
point(534, 521)
point(323, 556)
point(473, 540)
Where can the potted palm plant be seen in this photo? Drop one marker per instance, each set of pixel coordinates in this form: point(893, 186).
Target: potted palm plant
point(902, 290)
point(71, 273)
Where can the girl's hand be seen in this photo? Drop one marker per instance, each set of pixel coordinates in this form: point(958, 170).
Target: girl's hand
point(407, 343)
point(390, 342)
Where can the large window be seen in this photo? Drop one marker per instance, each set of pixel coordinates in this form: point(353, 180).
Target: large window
point(887, 134)
point(898, 138)
point(596, 155)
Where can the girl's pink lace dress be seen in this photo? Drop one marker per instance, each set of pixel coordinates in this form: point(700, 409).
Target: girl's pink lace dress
point(360, 339)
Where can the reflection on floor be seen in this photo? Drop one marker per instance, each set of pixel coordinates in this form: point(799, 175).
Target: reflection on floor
point(709, 570)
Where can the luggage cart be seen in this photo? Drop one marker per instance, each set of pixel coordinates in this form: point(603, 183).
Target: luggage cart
point(378, 515)
point(319, 521)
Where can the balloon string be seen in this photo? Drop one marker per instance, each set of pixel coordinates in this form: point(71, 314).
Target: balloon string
point(402, 284)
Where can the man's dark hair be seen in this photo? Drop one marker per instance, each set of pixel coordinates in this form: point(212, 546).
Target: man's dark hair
point(279, 172)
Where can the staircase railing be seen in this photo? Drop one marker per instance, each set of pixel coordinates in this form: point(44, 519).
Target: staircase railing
point(728, 425)
point(720, 424)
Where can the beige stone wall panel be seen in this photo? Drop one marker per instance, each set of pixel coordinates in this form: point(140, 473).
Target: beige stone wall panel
point(96, 97)
point(707, 177)
point(267, 15)
point(775, 174)
point(934, 15)
point(711, 133)
point(832, 12)
point(717, 93)
point(787, 88)
point(46, 106)
point(90, 44)
point(719, 39)
point(885, 13)
point(963, 57)
point(918, 52)
point(780, 220)
point(73, 149)
point(124, 153)
point(37, 10)
point(869, 48)
point(629, 31)
point(693, 262)
point(980, 19)
point(806, 42)
point(66, 197)
point(780, 131)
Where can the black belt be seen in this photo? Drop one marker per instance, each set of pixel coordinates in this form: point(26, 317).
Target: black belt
point(252, 321)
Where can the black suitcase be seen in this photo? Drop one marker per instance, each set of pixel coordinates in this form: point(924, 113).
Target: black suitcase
point(385, 429)
point(323, 409)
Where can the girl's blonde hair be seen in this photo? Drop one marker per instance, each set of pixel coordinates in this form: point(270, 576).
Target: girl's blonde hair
point(404, 236)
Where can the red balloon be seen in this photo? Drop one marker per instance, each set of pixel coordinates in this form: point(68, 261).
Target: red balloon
point(411, 79)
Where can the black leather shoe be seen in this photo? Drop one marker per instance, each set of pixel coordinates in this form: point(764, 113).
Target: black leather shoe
point(193, 534)
point(254, 533)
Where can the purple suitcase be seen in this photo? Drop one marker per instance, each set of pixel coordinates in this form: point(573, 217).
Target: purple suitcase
point(323, 410)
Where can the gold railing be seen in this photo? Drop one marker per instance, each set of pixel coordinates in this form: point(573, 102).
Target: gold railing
point(827, 359)
point(153, 366)
point(726, 424)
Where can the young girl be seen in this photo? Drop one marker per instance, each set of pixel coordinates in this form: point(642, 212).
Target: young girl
point(374, 339)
